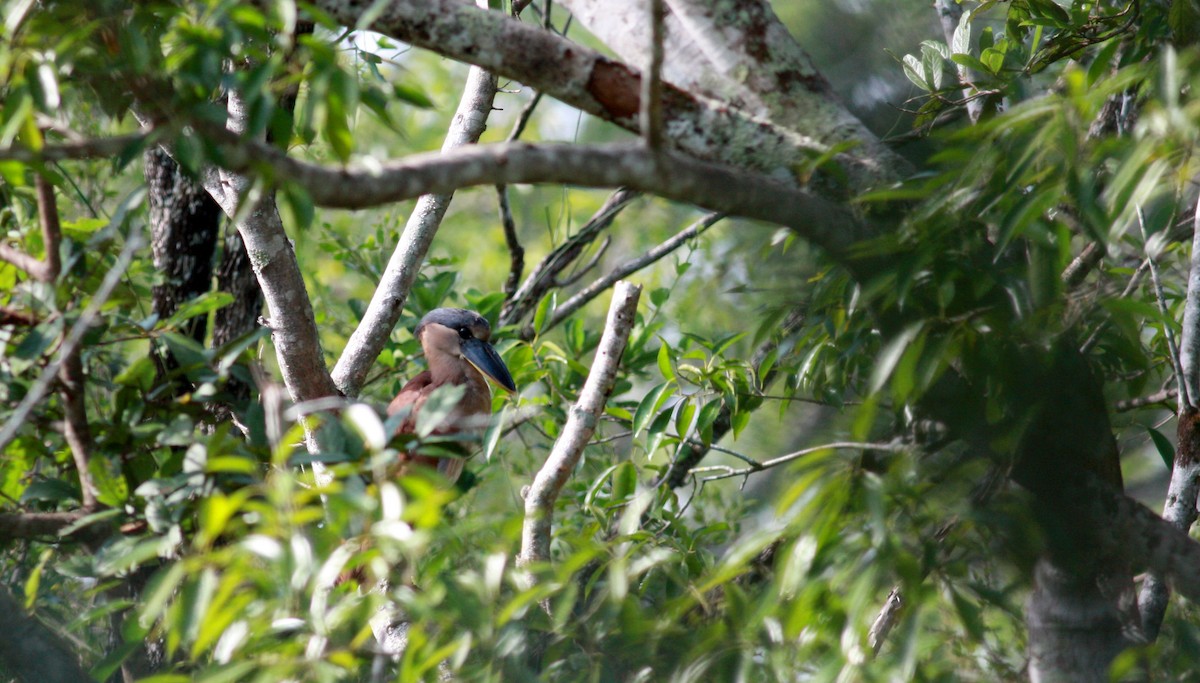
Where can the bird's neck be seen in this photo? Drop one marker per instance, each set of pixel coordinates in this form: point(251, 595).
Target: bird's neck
point(457, 371)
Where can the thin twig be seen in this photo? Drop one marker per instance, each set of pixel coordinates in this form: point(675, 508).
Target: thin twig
point(1143, 401)
point(577, 432)
point(729, 472)
point(1161, 298)
point(544, 275)
point(516, 252)
point(39, 388)
point(581, 298)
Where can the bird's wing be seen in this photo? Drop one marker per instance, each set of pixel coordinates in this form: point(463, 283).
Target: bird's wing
point(410, 398)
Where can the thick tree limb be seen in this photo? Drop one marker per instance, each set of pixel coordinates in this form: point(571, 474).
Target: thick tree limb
point(581, 423)
point(387, 303)
point(742, 54)
point(32, 651)
point(668, 174)
point(35, 524)
point(585, 79)
point(1189, 352)
point(293, 325)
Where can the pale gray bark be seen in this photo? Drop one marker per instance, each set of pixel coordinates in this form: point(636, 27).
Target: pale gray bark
point(585, 79)
point(581, 424)
point(1179, 508)
point(1189, 351)
point(739, 52)
point(387, 303)
point(293, 325)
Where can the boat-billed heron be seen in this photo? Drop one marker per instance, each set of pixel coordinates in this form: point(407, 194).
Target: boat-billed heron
point(457, 352)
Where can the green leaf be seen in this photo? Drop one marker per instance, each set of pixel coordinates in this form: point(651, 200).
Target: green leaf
point(438, 407)
point(650, 404)
point(1162, 444)
point(49, 490)
point(684, 415)
point(111, 487)
point(187, 351)
point(624, 482)
point(664, 361)
point(200, 305)
point(545, 311)
point(656, 431)
point(1184, 20)
point(412, 94)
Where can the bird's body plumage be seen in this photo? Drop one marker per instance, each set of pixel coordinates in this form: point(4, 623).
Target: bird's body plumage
point(457, 351)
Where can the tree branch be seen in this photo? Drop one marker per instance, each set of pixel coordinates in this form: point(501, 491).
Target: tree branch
point(651, 115)
point(516, 252)
point(587, 80)
point(45, 270)
point(544, 276)
point(729, 190)
point(71, 343)
point(1142, 401)
point(726, 472)
point(368, 339)
point(293, 325)
point(581, 298)
point(581, 423)
point(1179, 508)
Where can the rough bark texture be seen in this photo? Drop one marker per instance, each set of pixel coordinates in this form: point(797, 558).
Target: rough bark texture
point(601, 86)
point(184, 223)
point(1074, 632)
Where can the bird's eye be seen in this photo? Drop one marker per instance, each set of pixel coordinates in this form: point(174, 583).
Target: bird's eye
point(464, 332)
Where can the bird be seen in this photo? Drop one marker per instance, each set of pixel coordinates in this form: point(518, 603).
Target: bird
point(458, 351)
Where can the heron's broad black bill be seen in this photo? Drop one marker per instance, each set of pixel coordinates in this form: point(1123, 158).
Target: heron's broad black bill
point(484, 357)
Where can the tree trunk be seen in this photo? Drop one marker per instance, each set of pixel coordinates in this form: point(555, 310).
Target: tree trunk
point(1074, 631)
point(183, 236)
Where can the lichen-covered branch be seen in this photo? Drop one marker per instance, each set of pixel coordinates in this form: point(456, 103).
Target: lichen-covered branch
point(598, 85)
point(293, 325)
point(581, 424)
point(387, 303)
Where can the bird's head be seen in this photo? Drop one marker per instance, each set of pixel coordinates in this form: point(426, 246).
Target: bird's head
point(464, 334)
